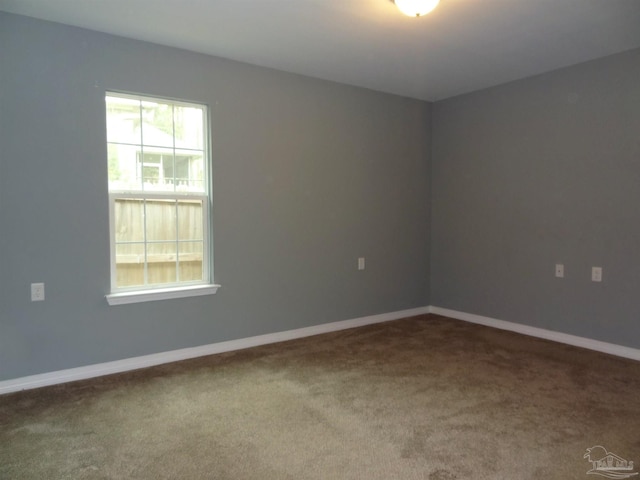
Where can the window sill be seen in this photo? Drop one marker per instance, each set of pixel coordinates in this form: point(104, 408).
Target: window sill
point(160, 294)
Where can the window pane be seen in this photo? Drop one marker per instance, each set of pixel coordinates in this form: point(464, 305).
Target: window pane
point(157, 124)
point(161, 220)
point(129, 220)
point(124, 168)
point(161, 258)
point(190, 261)
point(129, 264)
point(190, 220)
point(190, 176)
point(181, 170)
point(157, 167)
point(189, 129)
point(123, 120)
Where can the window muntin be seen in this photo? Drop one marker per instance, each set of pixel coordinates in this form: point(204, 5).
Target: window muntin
point(158, 192)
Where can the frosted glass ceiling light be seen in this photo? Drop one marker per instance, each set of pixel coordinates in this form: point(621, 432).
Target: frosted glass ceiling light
point(416, 8)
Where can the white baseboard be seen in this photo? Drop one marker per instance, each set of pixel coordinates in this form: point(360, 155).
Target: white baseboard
point(598, 346)
point(97, 370)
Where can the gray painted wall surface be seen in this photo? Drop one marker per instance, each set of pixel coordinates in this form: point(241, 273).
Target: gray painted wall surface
point(536, 172)
point(308, 176)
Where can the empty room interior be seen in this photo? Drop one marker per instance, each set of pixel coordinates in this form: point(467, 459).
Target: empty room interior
point(319, 239)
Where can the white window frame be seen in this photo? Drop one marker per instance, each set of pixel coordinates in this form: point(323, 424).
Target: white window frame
point(143, 293)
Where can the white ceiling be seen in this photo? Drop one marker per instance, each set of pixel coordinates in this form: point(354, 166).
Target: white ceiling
point(463, 45)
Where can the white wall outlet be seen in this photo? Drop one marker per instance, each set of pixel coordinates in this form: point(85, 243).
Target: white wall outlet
point(37, 292)
point(559, 270)
point(596, 274)
point(361, 263)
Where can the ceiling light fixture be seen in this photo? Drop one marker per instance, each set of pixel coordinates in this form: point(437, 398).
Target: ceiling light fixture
point(416, 8)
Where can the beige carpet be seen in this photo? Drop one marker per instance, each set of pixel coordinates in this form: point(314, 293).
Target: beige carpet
point(420, 398)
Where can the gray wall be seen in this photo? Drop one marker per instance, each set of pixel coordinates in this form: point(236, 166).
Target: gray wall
point(308, 176)
point(536, 172)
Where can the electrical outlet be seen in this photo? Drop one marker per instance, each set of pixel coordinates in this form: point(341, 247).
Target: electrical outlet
point(361, 263)
point(596, 274)
point(559, 270)
point(37, 292)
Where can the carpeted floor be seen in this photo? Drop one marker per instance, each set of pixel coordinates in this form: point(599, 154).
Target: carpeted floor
point(421, 398)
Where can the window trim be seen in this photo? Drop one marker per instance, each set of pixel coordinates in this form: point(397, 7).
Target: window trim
point(149, 295)
point(144, 293)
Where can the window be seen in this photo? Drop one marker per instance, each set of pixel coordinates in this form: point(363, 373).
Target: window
point(158, 158)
